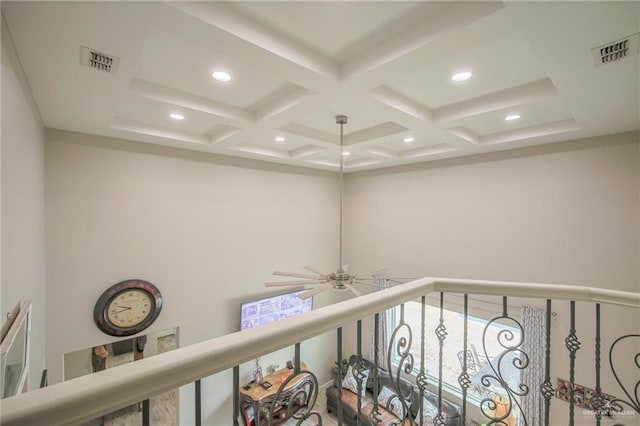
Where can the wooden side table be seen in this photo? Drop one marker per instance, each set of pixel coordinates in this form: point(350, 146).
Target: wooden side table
point(256, 400)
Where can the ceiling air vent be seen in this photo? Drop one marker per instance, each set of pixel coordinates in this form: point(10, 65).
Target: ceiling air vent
point(616, 50)
point(98, 60)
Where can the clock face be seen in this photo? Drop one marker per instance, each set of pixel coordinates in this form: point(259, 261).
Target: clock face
point(127, 308)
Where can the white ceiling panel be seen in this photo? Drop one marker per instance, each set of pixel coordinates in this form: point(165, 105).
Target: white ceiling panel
point(546, 110)
point(332, 29)
point(296, 65)
point(499, 64)
point(177, 63)
point(157, 114)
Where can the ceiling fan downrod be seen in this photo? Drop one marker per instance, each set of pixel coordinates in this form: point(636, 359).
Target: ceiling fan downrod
point(341, 277)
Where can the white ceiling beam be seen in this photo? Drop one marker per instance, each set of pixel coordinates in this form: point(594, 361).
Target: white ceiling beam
point(305, 151)
point(221, 132)
point(160, 93)
point(260, 150)
point(445, 19)
point(223, 17)
point(465, 134)
point(385, 153)
point(284, 103)
point(403, 104)
point(495, 101)
point(530, 132)
point(442, 148)
point(146, 129)
point(373, 132)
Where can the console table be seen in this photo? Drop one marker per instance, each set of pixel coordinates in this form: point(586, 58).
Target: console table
point(256, 399)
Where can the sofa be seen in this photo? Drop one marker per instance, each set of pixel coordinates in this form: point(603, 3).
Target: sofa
point(392, 411)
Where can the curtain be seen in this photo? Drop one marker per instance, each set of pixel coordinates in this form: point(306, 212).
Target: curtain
point(533, 325)
point(380, 282)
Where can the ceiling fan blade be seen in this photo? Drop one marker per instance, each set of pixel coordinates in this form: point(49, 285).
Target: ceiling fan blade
point(307, 294)
point(371, 273)
point(360, 282)
point(296, 275)
point(353, 289)
point(402, 282)
point(313, 269)
point(295, 282)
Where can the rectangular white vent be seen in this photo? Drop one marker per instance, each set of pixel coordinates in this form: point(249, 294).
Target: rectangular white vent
point(98, 60)
point(616, 50)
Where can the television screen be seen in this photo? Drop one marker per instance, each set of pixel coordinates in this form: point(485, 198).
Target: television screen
point(270, 309)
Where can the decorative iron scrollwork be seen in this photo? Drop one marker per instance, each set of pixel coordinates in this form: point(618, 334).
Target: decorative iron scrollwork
point(439, 420)
point(547, 390)
point(505, 377)
point(400, 344)
point(634, 400)
point(441, 332)
point(421, 380)
point(572, 343)
point(464, 381)
point(360, 373)
point(299, 404)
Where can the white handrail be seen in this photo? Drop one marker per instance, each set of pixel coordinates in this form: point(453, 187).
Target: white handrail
point(90, 396)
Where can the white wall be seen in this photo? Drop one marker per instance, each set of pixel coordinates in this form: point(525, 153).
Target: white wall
point(206, 230)
point(22, 200)
point(566, 213)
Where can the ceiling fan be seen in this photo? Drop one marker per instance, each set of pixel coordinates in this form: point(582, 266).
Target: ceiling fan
point(341, 279)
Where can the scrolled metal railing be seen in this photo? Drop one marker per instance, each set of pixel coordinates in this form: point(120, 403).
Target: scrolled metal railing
point(88, 397)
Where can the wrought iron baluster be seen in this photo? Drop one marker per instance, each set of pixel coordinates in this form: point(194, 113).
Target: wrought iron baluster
point(441, 334)
point(596, 400)
point(145, 413)
point(199, 401)
point(463, 380)
point(512, 356)
point(573, 344)
point(236, 398)
point(359, 373)
point(299, 404)
point(375, 414)
point(421, 379)
point(340, 378)
point(400, 344)
point(615, 405)
point(546, 388)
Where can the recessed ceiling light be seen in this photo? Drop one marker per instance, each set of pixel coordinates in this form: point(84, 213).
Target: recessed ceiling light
point(280, 139)
point(512, 117)
point(221, 76)
point(461, 76)
point(345, 153)
point(176, 116)
point(408, 139)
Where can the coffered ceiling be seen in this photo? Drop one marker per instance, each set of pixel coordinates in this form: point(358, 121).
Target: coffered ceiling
point(294, 66)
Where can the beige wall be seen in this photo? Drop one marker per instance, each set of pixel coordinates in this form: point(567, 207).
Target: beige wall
point(566, 213)
point(22, 153)
point(206, 230)
point(540, 215)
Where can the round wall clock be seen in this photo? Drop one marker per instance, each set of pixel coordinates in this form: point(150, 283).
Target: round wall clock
point(127, 308)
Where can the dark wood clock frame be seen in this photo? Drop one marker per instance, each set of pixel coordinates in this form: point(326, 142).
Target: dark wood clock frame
point(100, 311)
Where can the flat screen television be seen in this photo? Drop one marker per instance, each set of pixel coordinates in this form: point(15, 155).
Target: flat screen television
point(274, 308)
